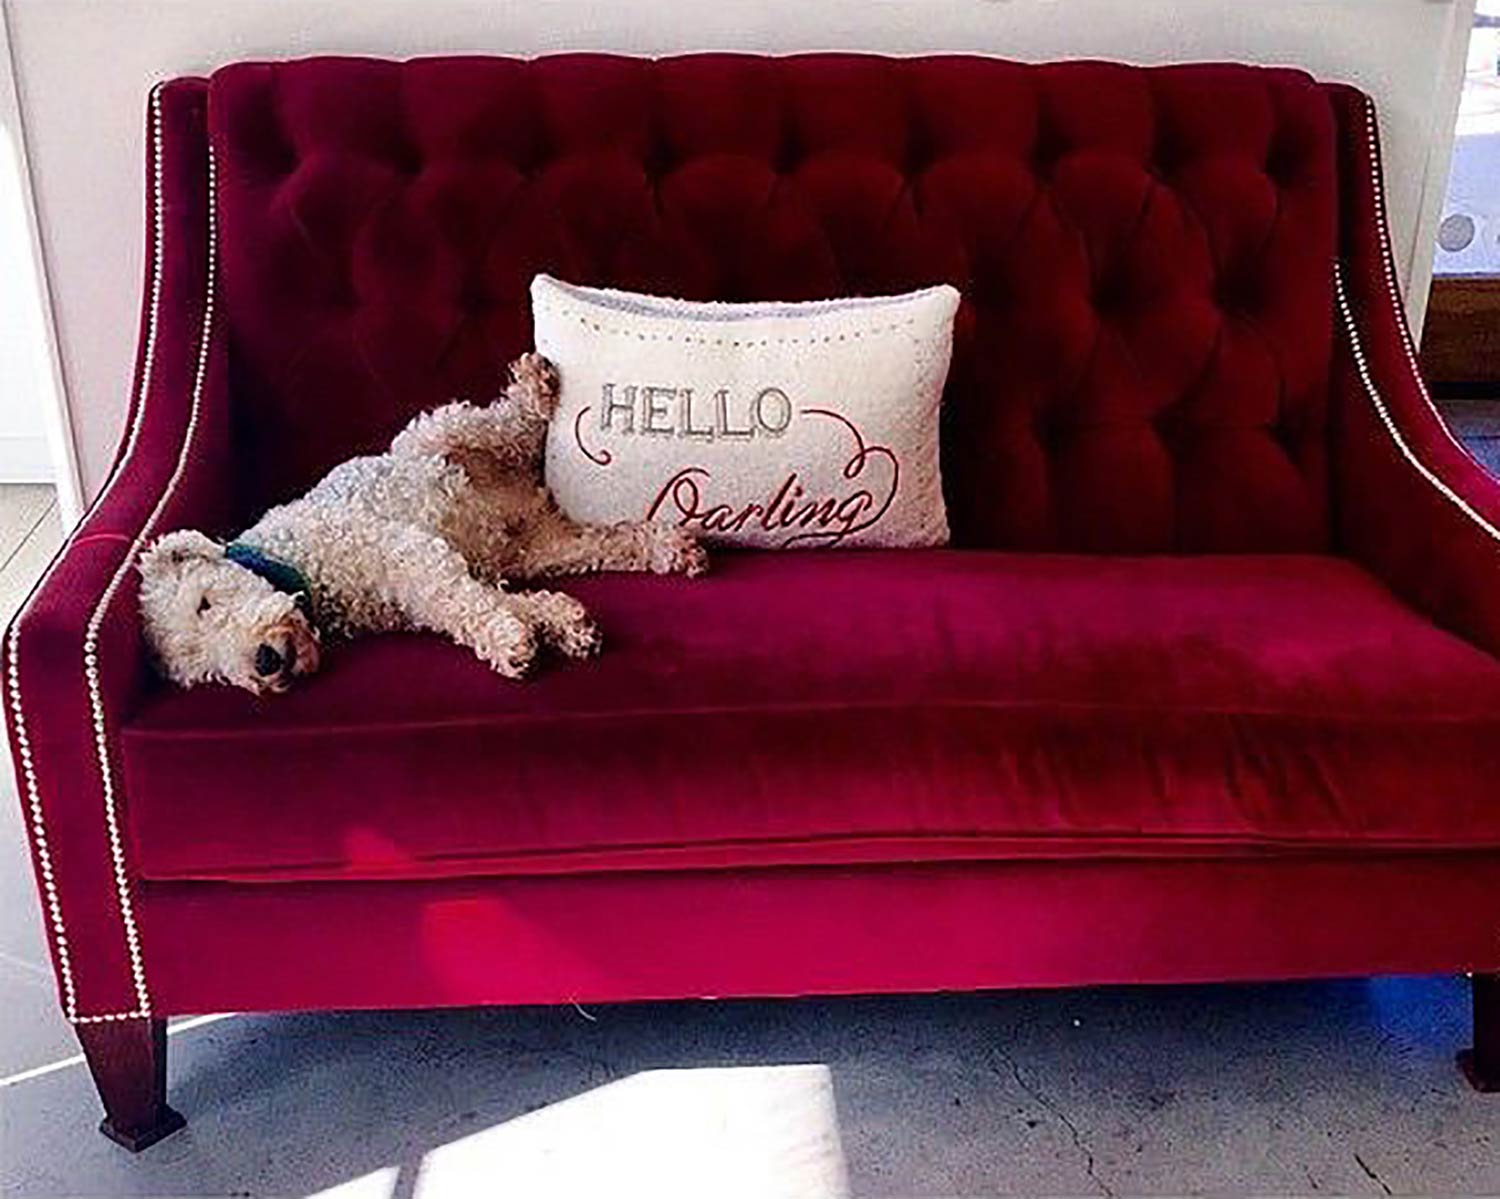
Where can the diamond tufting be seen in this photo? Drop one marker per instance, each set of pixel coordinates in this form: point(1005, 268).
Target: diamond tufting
point(1143, 355)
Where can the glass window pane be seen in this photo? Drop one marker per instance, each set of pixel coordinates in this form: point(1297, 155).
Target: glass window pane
point(1469, 233)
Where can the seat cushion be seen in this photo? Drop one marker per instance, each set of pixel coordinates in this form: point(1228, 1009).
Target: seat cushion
point(855, 706)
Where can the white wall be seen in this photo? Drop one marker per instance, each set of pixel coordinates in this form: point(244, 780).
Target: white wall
point(23, 441)
point(35, 439)
point(83, 68)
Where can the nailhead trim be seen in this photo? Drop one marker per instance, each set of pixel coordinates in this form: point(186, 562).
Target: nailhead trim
point(39, 836)
point(1361, 365)
point(91, 636)
point(112, 1017)
point(1393, 293)
point(50, 893)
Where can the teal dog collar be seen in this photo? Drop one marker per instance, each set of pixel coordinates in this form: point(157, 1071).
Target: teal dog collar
point(281, 575)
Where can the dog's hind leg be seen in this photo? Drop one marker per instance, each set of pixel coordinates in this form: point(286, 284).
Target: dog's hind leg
point(510, 432)
point(567, 547)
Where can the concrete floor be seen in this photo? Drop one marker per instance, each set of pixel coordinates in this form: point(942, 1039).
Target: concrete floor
point(1477, 423)
point(1343, 1088)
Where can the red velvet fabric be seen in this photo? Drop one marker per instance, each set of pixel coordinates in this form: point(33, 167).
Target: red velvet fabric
point(49, 707)
point(1144, 349)
point(828, 707)
point(822, 930)
point(1436, 539)
point(1185, 767)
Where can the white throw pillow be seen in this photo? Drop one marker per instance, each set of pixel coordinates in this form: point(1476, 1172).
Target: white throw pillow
point(773, 425)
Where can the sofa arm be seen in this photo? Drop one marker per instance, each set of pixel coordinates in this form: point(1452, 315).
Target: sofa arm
point(74, 655)
point(1410, 503)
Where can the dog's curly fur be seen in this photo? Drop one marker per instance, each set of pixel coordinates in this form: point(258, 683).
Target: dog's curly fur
point(425, 536)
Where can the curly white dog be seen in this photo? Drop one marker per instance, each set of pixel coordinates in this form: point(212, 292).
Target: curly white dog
point(425, 536)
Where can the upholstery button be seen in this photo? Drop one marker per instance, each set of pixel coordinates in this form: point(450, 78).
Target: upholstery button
point(918, 158)
point(473, 296)
point(1111, 297)
point(1236, 294)
point(1281, 164)
point(659, 161)
point(1050, 431)
point(1047, 152)
point(1165, 157)
point(279, 163)
point(406, 161)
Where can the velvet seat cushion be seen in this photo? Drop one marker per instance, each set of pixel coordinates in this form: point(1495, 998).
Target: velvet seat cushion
point(834, 707)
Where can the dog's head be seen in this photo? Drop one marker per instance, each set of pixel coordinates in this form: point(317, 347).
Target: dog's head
point(211, 620)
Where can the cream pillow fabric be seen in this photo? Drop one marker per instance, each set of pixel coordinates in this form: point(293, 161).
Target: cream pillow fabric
point(773, 425)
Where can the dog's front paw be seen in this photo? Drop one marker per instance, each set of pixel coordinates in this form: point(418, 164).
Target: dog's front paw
point(579, 639)
point(509, 645)
point(675, 552)
point(538, 377)
point(566, 623)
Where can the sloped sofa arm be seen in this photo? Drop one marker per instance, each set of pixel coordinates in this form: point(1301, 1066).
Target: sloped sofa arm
point(1411, 505)
point(74, 656)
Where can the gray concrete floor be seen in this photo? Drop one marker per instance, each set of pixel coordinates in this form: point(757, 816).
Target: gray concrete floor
point(1340, 1088)
point(1477, 423)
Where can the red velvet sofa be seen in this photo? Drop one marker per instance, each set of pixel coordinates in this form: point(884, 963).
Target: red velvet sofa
point(1206, 688)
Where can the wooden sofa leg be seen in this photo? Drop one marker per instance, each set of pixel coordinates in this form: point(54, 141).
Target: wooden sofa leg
point(128, 1059)
point(1481, 1064)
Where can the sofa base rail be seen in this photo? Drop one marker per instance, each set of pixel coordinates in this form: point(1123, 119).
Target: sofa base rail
point(868, 929)
point(128, 1059)
point(897, 927)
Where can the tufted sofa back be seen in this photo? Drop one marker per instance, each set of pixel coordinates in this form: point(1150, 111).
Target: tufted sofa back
point(1142, 356)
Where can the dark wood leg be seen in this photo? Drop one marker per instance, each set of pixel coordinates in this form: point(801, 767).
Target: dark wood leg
point(1481, 1064)
point(128, 1059)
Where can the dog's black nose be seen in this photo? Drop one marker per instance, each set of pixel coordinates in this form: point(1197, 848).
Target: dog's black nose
point(267, 661)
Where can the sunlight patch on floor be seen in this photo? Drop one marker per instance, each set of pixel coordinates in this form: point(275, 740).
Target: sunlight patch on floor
point(723, 1132)
point(378, 1184)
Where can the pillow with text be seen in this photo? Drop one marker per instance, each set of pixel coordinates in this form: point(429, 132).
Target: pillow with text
point(776, 425)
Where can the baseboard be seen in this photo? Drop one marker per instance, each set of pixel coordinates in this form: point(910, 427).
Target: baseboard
point(25, 460)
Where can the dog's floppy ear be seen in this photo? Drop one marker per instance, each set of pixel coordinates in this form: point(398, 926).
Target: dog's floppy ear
point(173, 549)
